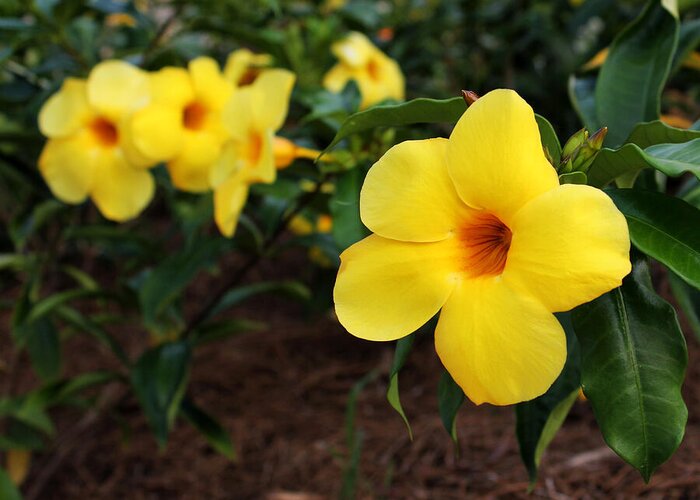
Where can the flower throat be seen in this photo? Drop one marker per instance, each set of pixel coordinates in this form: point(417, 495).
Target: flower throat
point(486, 240)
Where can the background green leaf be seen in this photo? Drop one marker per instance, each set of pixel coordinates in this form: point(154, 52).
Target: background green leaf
point(212, 430)
point(657, 132)
point(633, 361)
point(403, 348)
point(628, 89)
point(450, 399)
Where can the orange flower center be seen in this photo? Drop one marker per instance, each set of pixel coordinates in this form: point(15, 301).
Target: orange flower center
point(373, 70)
point(486, 240)
point(250, 75)
point(104, 131)
point(255, 145)
point(194, 115)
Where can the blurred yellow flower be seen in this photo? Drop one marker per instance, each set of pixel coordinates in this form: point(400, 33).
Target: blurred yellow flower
point(88, 151)
point(377, 75)
point(477, 226)
point(120, 19)
point(243, 67)
point(183, 125)
point(251, 117)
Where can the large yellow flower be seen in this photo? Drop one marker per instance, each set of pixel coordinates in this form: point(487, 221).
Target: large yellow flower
point(252, 116)
point(377, 75)
point(88, 151)
point(478, 227)
point(182, 126)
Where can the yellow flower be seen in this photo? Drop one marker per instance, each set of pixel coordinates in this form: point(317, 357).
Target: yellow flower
point(182, 125)
point(477, 226)
point(377, 75)
point(243, 67)
point(87, 153)
point(252, 116)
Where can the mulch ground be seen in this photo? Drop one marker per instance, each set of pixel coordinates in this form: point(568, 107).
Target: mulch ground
point(282, 394)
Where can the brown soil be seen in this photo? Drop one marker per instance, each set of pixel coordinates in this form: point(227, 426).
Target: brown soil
point(282, 394)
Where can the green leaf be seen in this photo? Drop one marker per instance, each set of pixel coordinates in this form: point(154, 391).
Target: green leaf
point(403, 348)
point(688, 40)
point(450, 399)
point(8, 490)
point(573, 178)
point(345, 209)
point(628, 89)
point(688, 299)
point(671, 159)
point(663, 227)
point(550, 141)
point(394, 115)
point(60, 391)
point(633, 361)
point(86, 325)
point(291, 289)
point(538, 421)
point(582, 96)
point(212, 430)
point(166, 281)
point(49, 304)
point(43, 345)
point(657, 132)
point(219, 330)
point(159, 379)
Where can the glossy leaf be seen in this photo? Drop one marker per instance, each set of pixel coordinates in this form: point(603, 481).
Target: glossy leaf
point(671, 159)
point(573, 178)
point(628, 89)
point(403, 348)
point(394, 115)
point(450, 399)
point(633, 361)
point(537, 421)
point(663, 227)
point(657, 132)
point(212, 430)
point(159, 379)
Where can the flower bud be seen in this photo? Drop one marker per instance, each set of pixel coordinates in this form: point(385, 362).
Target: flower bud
point(574, 142)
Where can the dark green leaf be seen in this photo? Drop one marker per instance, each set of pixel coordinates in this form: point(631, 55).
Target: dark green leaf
point(633, 361)
point(450, 399)
point(43, 345)
point(219, 330)
point(345, 209)
point(539, 420)
point(663, 227)
point(573, 178)
point(212, 430)
point(165, 282)
point(291, 289)
point(49, 304)
point(19, 436)
point(628, 89)
point(687, 42)
point(403, 348)
point(159, 379)
point(550, 141)
point(394, 115)
point(87, 325)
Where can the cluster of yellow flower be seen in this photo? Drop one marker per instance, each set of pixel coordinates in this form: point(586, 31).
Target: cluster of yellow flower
point(213, 129)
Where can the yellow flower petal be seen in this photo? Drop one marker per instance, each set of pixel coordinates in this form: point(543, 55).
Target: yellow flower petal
point(570, 245)
point(65, 111)
point(240, 62)
point(237, 115)
point(190, 170)
point(209, 84)
point(409, 196)
point(499, 346)
point(156, 131)
point(260, 166)
point(120, 191)
point(172, 86)
point(67, 165)
point(271, 92)
point(226, 165)
point(495, 156)
point(229, 199)
point(354, 50)
point(336, 78)
point(387, 289)
point(116, 88)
